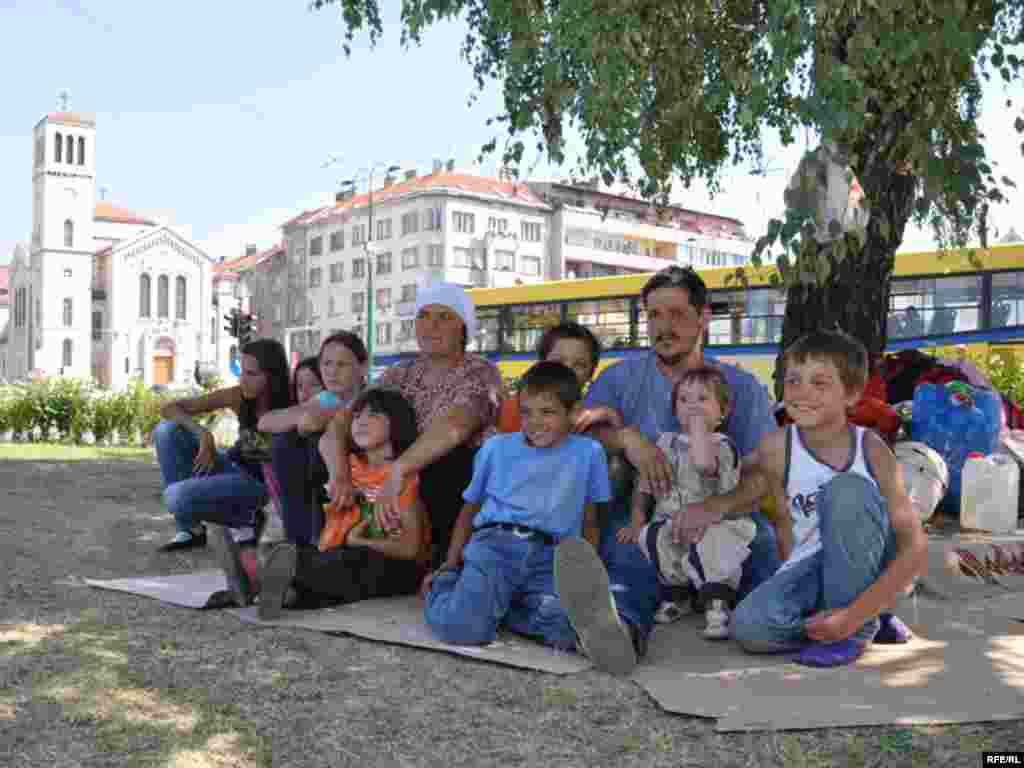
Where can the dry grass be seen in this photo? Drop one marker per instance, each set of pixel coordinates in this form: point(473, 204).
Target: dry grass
point(91, 678)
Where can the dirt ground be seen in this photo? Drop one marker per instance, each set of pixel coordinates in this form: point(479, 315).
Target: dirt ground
point(98, 678)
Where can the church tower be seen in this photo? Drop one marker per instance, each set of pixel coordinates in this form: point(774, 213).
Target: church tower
point(64, 191)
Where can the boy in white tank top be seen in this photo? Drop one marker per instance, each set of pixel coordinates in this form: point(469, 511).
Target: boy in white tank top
point(858, 540)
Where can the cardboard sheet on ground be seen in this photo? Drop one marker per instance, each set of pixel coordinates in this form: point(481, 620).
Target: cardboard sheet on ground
point(190, 590)
point(400, 620)
point(965, 665)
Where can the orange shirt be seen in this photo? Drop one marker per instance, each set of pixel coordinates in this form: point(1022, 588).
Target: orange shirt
point(509, 419)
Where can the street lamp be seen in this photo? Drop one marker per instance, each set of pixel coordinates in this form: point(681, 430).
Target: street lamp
point(367, 174)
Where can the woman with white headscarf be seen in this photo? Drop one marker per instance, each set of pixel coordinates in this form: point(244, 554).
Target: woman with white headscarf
point(456, 396)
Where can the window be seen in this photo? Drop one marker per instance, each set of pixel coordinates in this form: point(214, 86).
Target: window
point(530, 232)
point(505, 261)
point(81, 151)
point(358, 234)
point(607, 318)
point(69, 318)
point(359, 302)
point(384, 333)
point(435, 255)
point(1007, 299)
point(383, 263)
point(69, 149)
point(495, 224)
point(67, 272)
point(384, 229)
point(337, 240)
point(180, 298)
point(465, 223)
point(332, 308)
point(314, 340)
point(145, 284)
point(65, 357)
point(69, 233)
point(406, 329)
point(432, 219)
point(358, 268)
point(58, 148)
point(410, 223)
point(314, 277)
point(384, 299)
point(97, 326)
point(409, 292)
point(337, 271)
point(213, 329)
point(316, 245)
point(529, 265)
point(410, 258)
point(163, 289)
point(934, 306)
point(462, 257)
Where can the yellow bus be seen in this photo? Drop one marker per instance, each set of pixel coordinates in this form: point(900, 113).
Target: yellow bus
point(938, 300)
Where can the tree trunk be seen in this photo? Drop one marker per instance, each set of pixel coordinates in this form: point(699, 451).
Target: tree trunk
point(855, 297)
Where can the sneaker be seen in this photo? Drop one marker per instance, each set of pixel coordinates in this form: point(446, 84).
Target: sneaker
point(670, 612)
point(275, 580)
point(230, 559)
point(185, 540)
point(582, 584)
point(717, 616)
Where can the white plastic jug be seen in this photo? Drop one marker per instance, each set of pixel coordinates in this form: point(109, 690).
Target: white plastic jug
point(989, 498)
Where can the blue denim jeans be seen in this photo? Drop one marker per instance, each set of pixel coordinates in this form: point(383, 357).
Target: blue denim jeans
point(228, 496)
point(505, 577)
point(857, 544)
point(301, 475)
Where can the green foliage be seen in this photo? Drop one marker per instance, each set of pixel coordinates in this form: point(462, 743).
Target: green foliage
point(1006, 370)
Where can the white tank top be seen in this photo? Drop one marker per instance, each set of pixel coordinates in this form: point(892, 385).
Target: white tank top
point(805, 476)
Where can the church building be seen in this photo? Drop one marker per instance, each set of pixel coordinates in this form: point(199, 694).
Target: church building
point(100, 291)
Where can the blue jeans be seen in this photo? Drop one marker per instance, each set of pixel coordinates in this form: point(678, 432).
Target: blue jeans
point(857, 544)
point(227, 496)
point(634, 579)
point(505, 577)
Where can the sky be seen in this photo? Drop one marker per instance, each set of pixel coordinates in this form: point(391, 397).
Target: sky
point(220, 117)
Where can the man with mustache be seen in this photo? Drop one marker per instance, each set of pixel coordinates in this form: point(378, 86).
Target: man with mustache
point(640, 389)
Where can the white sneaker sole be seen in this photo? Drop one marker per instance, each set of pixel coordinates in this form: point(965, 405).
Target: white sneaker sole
point(275, 579)
point(227, 555)
point(582, 584)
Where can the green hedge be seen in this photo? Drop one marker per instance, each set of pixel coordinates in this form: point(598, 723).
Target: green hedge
point(65, 410)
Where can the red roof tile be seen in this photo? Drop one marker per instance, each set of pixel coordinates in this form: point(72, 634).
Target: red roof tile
point(454, 182)
point(232, 267)
point(105, 211)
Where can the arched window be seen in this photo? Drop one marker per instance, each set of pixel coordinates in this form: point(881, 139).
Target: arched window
point(58, 148)
point(145, 291)
point(81, 151)
point(179, 298)
point(66, 353)
point(163, 289)
point(70, 149)
point(68, 314)
point(69, 233)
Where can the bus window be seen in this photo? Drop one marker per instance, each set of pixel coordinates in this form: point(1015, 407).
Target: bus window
point(608, 319)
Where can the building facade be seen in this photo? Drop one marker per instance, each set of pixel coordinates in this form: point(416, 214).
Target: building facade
point(100, 292)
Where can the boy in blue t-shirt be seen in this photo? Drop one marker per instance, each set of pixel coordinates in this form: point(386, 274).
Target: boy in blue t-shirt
point(529, 490)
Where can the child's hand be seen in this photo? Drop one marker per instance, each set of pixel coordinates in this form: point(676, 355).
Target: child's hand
point(628, 535)
point(357, 536)
point(588, 417)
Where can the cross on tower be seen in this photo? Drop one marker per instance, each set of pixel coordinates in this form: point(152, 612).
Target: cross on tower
point(62, 100)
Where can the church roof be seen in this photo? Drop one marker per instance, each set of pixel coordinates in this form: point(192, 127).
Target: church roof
point(71, 118)
point(105, 211)
point(5, 285)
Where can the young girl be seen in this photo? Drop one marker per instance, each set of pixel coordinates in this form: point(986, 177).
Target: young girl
point(380, 555)
point(306, 380)
point(705, 462)
point(203, 484)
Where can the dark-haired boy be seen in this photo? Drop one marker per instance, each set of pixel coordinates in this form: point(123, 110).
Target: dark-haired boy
point(529, 490)
point(858, 541)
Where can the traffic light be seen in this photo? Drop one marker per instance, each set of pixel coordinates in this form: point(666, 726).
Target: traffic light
point(246, 327)
point(232, 326)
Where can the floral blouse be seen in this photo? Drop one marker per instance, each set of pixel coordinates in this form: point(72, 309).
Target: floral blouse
point(474, 384)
